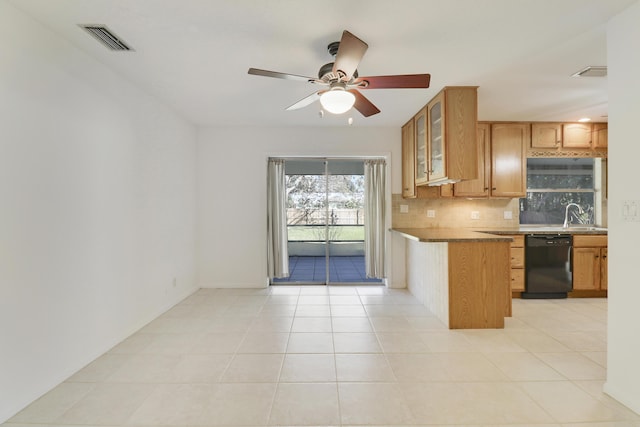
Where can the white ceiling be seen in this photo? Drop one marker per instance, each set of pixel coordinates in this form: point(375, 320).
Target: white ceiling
point(193, 55)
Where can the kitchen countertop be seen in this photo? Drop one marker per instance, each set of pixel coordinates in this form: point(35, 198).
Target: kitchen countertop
point(450, 235)
point(489, 234)
point(543, 229)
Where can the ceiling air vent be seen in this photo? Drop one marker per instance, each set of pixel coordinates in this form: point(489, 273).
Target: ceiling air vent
point(106, 37)
point(591, 71)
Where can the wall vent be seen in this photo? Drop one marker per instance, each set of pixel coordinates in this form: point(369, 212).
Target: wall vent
point(591, 71)
point(106, 37)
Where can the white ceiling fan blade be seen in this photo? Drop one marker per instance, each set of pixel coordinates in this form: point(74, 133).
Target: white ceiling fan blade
point(305, 101)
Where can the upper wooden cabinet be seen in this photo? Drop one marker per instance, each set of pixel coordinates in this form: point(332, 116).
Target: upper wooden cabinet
point(408, 160)
point(568, 135)
point(576, 135)
point(600, 135)
point(420, 129)
point(451, 135)
point(546, 135)
point(478, 187)
point(509, 159)
point(502, 162)
point(409, 188)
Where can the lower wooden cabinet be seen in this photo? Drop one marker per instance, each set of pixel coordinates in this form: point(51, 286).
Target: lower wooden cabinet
point(589, 262)
point(517, 263)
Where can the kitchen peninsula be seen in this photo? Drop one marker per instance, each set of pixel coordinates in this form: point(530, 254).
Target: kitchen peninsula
point(461, 276)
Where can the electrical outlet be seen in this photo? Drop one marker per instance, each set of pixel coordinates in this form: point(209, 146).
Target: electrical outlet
point(175, 281)
point(475, 215)
point(431, 213)
point(404, 208)
point(508, 215)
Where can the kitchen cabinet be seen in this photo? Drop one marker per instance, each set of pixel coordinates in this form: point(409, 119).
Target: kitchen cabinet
point(509, 143)
point(576, 135)
point(600, 135)
point(420, 138)
point(451, 136)
point(408, 160)
point(461, 276)
point(478, 187)
point(589, 262)
point(568, 135)
point(517, 263)
point(501, 162)
point(409, 188)
point(546, 135)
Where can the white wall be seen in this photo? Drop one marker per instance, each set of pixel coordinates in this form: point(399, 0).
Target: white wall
point(623, 369)
point(232, 171)
point(97, 209)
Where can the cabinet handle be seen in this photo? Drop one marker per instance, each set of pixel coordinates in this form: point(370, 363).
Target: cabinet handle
point(597, 256)
point(486, 188)
point(494, 189)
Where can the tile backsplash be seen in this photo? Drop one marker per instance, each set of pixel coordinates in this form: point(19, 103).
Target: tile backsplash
point(453, 212)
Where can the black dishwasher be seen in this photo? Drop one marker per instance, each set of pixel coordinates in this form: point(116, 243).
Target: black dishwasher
point(548, 266)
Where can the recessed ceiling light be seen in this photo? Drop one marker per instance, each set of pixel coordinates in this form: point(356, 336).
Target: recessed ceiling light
point(584, 119)
point(591, 71)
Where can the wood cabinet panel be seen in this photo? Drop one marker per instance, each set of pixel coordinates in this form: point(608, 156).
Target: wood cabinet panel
point(509, 143)
point(604, 269)
point(600, 135)
point(589, 240)
point(420, 129)
point(518, 241)
point(452, 117)
point(517, 279)
point(546, 135)
point(577, 135)
point(408, 160)
point(517, 257)
point(479, 295)
point(478, 187)
point(586, 269)
point(590, 267)
point(517, 261)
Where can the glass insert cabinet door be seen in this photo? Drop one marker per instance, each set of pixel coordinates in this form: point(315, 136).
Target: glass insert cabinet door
point(421, 146)
point(436, 140)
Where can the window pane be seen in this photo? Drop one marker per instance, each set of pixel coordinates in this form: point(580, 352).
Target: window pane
point(552, 184)
point(560, 173)
point(549, 207)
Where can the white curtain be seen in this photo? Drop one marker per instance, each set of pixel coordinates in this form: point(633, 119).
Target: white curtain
point(374, 218)
point(277, 253)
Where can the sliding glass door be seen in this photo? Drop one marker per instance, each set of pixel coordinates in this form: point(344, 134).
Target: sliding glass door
point(325, 222)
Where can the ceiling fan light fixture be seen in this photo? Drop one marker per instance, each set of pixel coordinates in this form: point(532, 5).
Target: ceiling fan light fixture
point(337, 100)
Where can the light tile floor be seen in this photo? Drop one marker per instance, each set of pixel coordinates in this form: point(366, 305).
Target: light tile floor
point(351, 356)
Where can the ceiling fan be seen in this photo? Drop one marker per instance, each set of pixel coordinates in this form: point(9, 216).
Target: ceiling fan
point(342, 80)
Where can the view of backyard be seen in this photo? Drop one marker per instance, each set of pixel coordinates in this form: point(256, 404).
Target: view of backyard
point(317, 232)
point(313, 201)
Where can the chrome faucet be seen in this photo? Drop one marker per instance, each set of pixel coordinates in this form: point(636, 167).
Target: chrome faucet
point(566, 213)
